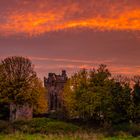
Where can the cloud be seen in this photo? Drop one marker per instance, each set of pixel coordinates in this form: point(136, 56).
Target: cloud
point(75, 65)
point(38, 17)
point(70, 60)
point(125, 70)
point(115, 69)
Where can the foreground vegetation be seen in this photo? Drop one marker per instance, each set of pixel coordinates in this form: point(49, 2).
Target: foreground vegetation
point(99, 96)
point(51, 129)
point(106, 107)
point(38, 125)
point(77, 136)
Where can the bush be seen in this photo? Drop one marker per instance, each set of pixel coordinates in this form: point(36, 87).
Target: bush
point(51, 126)
point(132, 129)
point(135, 130)
point(44, 125)
point(5, 127)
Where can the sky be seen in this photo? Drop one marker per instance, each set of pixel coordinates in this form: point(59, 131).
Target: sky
point(72, 34)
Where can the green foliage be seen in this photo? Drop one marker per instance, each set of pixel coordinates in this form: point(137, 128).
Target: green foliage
point(38, 125)
point(137, 97)
point(89, 96)
point(17, 81)
point(40, 105)
point(19, 84)
point(5, 127)
point(55, 127)
point(95, 95)
point(121, 101)
point(44, 128)
point(132, 129)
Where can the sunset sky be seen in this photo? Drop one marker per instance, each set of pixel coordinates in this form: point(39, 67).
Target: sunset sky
point(72, 34)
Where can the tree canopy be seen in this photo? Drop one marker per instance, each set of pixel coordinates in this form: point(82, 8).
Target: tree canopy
point(97, 95)
point(19, 83)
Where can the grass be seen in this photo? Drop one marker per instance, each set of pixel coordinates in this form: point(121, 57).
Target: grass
point(19, 136)
point(51, 129)
point(38, 125)
point(76, 136)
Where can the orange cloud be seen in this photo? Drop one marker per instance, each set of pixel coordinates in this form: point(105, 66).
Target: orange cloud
point(62, 18)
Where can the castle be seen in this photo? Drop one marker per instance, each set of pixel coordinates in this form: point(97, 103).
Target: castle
point(55, 84)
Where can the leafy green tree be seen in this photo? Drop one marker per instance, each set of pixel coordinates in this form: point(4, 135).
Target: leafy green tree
point(41, 94)
point(95, 95)
point(121, 100)
point(71, 96)
point(99, 87)
point(19, 84)
point(89, 96)
point(18, 78)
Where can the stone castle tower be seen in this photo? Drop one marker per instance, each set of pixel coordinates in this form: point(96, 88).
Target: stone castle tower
point(55, 84)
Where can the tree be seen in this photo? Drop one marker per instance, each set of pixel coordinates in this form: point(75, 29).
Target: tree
point(95, 95)
point(19, 85)
point(18, 80)
point(89, 95)
point(70, 95)
point(121, 100)
point(41, 94)
point(99, 88)
point(136, 97)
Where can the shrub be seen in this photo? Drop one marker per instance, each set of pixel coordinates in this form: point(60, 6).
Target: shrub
point(44, 125)
point(132, 129)
point(5, 127)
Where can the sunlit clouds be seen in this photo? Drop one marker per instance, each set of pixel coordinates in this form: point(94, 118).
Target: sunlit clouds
point(72, 34)
point(38, 17)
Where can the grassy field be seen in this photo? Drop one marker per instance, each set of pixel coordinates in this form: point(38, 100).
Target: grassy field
point(76, 136)
point(51, 129)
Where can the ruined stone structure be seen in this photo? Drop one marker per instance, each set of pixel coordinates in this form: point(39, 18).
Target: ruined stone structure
point(55, 84)
point(20, 112)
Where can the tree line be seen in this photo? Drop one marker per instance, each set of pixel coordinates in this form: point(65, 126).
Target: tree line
point(97, 95)
point(89, 95)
